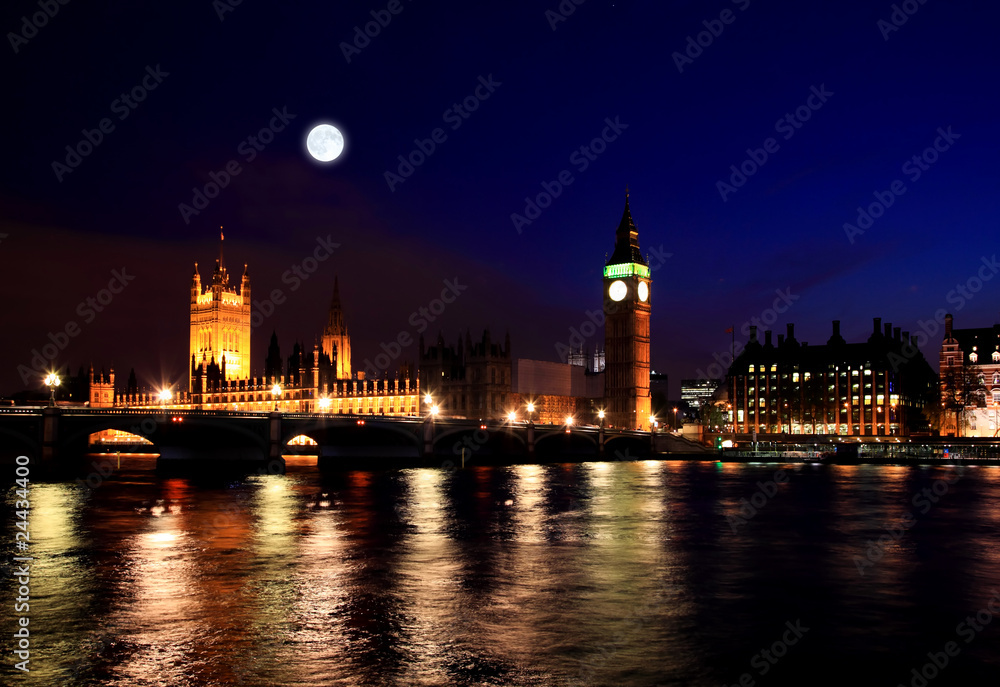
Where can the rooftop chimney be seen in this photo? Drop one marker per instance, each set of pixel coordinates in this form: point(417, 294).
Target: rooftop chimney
point(791, 331)
point(753, 333)
point(767, 337)
point(888, 330)
point(781, 340)
point(878, 325)
point(895, 333)
point(836, 328)
point(947, 326)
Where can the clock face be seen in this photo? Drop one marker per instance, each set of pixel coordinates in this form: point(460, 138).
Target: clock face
point(643, 291)
point(617, 290)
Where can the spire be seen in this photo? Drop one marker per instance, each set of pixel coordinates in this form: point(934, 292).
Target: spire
point(335, 318)
point(222, 262)
point(626, 239)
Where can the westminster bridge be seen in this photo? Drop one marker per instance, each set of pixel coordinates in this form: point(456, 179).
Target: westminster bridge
point(58, 437)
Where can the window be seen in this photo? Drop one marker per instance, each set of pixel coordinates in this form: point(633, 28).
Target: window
point(973, 357)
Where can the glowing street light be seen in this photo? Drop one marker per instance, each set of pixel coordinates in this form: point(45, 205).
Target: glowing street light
point(52, 381)
point(512, 417)
point(324, 404)
point(569, 420)
point(428, 399)
point(435, 410)
point(165, 395)
point(530, 409)
point(675, 419)
point(600, 416)
point(276, 392)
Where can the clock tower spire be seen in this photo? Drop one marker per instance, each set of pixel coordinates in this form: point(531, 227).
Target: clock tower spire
point(626, 329)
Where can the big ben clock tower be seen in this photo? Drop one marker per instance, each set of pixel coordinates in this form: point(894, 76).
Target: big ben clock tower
point(626, 330)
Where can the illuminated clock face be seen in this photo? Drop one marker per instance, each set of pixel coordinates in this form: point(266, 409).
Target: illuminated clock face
point(617, 290)
point(643, 291)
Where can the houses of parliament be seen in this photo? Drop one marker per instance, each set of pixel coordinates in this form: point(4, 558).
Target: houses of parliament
point(475, 379)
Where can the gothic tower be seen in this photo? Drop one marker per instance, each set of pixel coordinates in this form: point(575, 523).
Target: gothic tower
point(336, 342)
point(626, 330)
point(220, 322)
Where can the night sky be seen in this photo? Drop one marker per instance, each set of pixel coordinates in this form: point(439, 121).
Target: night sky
point(864, 98)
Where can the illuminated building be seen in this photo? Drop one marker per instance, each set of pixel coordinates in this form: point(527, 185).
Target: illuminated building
point(336, 342)
point(220, 323)
point(970, 380)
point(317, 380)
point(696, 392)
point(881, 387)
point(626, 330)
point(472, 380)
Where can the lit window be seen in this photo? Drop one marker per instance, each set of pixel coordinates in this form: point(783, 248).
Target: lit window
point(973, 357)
point(996, 356)
point(751, 368)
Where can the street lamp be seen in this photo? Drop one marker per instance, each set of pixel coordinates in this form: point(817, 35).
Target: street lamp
point(675, 418)
point(165, 396)
point(324, 404)
point(569, 420)
point(652, 423)
point(531, 409)
point(600, 416)
point(276, 392)
point(52, 381)
point(435, 410)
point(512, 417)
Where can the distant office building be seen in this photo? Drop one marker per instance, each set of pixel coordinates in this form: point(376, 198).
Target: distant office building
point(970, 381)
point(878, 388)
point(696, 392)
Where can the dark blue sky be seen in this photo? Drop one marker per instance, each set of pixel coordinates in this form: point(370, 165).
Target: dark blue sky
point(724, 259)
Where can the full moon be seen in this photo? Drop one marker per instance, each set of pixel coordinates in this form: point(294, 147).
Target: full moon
point(325, 142)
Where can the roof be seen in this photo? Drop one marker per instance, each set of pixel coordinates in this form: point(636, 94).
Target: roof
point(626, 240)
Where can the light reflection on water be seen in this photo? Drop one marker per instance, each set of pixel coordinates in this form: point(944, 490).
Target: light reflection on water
point(597, 573)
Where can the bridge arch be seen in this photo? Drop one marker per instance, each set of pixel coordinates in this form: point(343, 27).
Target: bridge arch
point(478, 441)
point(626, 447)
point(561, 442)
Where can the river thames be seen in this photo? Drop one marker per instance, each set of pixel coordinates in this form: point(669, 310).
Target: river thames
point(615, 573)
